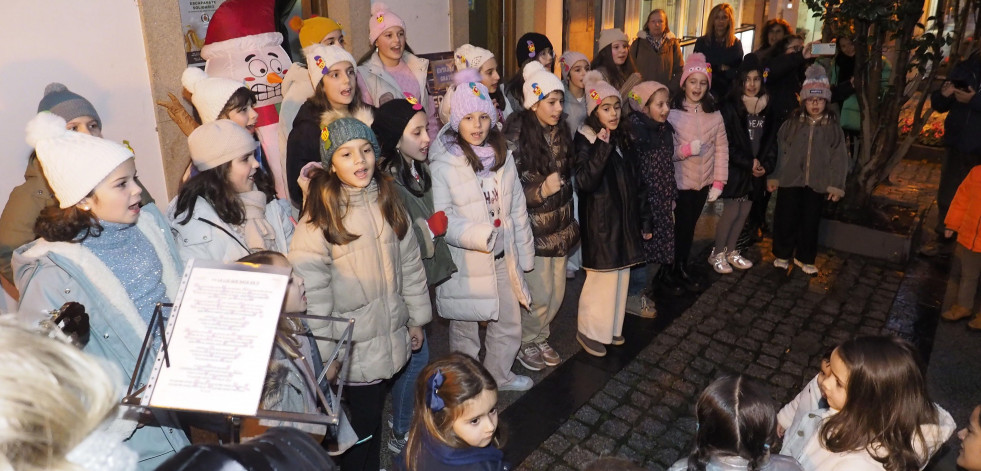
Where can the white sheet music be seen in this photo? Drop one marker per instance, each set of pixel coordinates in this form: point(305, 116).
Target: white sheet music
point(220, 336)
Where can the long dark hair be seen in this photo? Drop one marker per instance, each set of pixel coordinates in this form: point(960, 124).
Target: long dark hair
point(536, 153)
point(55, 224)
point(765, 36)
point(887, 402)
point(494, 138)
point(735, 417)
point(212, 185)
point(395, 164)
point(621, 135)
point(735, 95)
point(328, 202)
point(242, 97)
point(614, 74)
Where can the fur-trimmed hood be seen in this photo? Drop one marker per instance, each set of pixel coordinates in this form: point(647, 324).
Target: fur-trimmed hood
point(669, 36)
point(363, 114)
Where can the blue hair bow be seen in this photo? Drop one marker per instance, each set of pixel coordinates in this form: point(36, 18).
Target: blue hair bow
point(433, 400)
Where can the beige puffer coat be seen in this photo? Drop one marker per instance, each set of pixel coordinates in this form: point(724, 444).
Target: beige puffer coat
point(471, 293)
point(376, 280)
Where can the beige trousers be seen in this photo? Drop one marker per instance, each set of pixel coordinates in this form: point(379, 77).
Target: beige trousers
point(547, 285)
point(602, 304)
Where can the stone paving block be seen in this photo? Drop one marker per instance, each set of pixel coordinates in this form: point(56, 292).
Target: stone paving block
point(674, 400)
point(627, 377)
point(651, 427)
point(640, 442)
point(629, 453)
point(759, 372)
point(578, 457)
point(574, 430)
point(627, 413)
point(674, 366)
point(537, 460)
point(702, 365)
point(641, 400)
point(616, 428)
point(616, 389)
point(603, 401)
point(784, 380)
point(556, 444)
point(600, 444)
point(588, 415)
point(676, 438)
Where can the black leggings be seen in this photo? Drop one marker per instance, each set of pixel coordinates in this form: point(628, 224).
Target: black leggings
point(686, 212)
point(365, 405)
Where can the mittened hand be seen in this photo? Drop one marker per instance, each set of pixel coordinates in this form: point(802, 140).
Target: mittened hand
point(604, 135)
point(696, 147)
point(715, 191)
point(438, 223)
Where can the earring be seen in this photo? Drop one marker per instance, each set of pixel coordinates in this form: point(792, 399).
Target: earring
point(86, 208)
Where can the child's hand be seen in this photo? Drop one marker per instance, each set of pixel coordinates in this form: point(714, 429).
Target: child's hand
point(771, 187)
point(604, 135)
point(438, 223)
point(758, 170)
point(552, 185)
point(692, 148)
point(415, 337)
point(780, 430)
point(833, 197)
point(304, 179)
point(647, 235)
point(715, 191)
point(948, 233)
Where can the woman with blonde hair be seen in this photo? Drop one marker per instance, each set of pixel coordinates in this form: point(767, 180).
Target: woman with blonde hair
point(722, 49)
point(54, 405)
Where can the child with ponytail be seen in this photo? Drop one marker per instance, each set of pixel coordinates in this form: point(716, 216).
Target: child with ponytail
point(361, 262)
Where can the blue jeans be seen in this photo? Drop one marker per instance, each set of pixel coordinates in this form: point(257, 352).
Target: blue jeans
point(404, 389)
point(638, 280)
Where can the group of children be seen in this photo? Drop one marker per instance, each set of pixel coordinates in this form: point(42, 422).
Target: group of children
point(389, 208)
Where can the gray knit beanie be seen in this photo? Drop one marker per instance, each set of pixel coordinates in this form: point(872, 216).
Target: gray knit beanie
point(341, 131)
point(61, 101)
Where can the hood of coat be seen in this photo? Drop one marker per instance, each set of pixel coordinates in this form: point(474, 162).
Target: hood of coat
point(440, 149)
point(588, 133)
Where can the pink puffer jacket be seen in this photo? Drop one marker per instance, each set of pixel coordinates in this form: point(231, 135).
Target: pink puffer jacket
point(712, 163)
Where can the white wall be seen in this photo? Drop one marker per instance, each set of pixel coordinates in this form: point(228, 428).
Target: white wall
point(96, 49)
point(427, 24)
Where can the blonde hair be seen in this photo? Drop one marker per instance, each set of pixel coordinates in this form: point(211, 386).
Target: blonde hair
point(52, 396)
point(730, 37)
point(464, 378)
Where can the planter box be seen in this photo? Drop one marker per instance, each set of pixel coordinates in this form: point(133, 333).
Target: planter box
point(884, 245)
point(927, 153)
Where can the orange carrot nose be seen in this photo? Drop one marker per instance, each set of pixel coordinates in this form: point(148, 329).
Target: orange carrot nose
point(273, 77)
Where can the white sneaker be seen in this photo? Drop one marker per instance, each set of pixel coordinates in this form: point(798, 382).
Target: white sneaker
point(719, 263)
point(807, 268)
point(519, 383)
point(711, 257)
point(738, 261)
point(781, 263)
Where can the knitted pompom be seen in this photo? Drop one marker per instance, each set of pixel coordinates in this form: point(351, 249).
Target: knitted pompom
point(191, 77)
point(45, 126)
point(815, 72)
point(377, 7)
point(296, 23)
point(54, 87)
point(592, 78)
point(531, 68)
point(466, 76)
point(696, 56)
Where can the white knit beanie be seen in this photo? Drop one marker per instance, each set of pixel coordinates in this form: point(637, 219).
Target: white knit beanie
point(74, 163)
point(538, 83)
point(217, 142)
point(469, 56)
point(321, 58)
point(208, 94)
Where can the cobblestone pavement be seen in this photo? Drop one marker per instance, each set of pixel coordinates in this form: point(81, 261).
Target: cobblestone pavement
point(765, 323)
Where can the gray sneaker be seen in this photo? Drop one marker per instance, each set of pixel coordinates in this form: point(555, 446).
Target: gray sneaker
point(549, 355)
point(396, 444)
point(531, 357)
point(639, 305)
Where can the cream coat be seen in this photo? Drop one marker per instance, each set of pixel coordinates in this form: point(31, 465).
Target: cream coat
point(378, 281)
point(471, 293)
point(198, 239)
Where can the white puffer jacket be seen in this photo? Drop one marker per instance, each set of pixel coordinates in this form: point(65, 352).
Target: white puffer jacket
point(377, 280)
point(471, 293)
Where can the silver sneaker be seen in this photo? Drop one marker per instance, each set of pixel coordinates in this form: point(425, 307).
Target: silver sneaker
point(531, 357)
point(639, 305)
point(781, 263)
point(719, 263)
point(738, 261)
point(549, 355)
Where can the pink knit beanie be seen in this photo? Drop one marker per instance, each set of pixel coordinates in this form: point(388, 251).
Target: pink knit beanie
point(470, 96)
point(642, 92)
point(695, 64)
point(381, 19)
point(597, 90)
point(569, 59)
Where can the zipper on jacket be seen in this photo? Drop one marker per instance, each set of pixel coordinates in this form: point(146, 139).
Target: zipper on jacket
point(378, 247)
point(807, 161)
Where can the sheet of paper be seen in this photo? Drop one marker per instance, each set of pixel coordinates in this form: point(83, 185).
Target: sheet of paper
point(220, 335)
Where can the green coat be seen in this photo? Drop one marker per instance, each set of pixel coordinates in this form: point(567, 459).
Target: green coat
point(851, 115)
point(435, 253)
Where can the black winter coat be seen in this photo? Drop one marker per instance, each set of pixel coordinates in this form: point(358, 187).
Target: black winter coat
point(302, 147)
point(552, 223)
point(964, 119)
point(741, 156)
point(609, 203)
point(718, 55)
point(784, 74)
point(653, 144)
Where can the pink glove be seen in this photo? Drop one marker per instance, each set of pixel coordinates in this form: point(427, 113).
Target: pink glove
point(692, 148)
point(715, 191)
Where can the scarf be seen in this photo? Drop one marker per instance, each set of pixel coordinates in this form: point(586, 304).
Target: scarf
point(656, 43)
point(484, 152)
point(258, 233)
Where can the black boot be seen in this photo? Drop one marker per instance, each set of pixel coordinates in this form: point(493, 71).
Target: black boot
point(666, 283)
point(687, 282)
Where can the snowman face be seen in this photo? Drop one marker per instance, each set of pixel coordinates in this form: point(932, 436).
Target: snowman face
point(258, 61)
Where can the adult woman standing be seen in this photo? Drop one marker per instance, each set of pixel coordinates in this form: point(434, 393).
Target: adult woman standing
point(722, 49)
point(656, 52)
point(773, 31)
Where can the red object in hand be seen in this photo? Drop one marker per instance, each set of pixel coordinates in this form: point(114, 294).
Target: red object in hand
point(497, 223)
point(437, 223)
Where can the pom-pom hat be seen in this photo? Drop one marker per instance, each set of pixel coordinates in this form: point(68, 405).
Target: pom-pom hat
point(470, 56)
point(314, 29)
point(597, 90)
point(568, 60)
point(61, 101)
point(74, 163)
point(321, 58)
point(381, 19)
point(208, 94)
point(538, 83)
point(610, 36)
point(341, 131)
point(696, 64)
point(816, 84)
point(470, 96)
point(530, 45)
point(217, 142)
point(638, 96)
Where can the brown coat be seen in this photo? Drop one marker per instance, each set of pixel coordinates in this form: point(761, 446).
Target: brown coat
point(662, 66)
